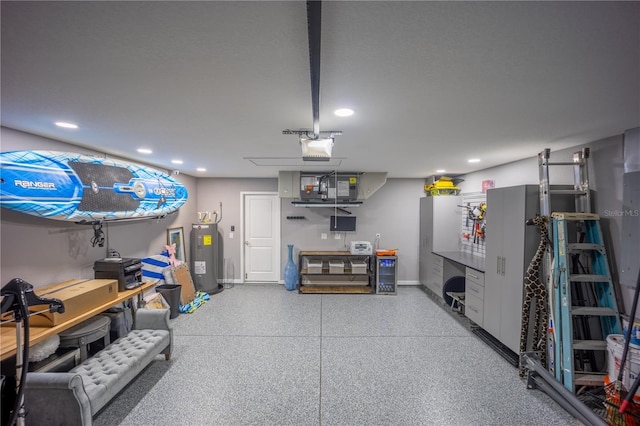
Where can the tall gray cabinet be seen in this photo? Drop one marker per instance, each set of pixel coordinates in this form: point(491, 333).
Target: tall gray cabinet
point(510, 246)
point(439, 229)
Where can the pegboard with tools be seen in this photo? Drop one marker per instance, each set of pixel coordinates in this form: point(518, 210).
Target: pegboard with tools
point(474, 211)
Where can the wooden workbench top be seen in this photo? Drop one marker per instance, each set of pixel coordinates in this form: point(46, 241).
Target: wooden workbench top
point(40, 333)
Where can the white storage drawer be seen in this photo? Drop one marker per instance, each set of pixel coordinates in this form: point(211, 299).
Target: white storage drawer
point(358, 267)
point(313, 265)
point(336, 266)
point(474, 276)
point(474, 289)
point(474, 308)
point(437, 268)
point(437, 271)
point(438, 262)
point(474, 296)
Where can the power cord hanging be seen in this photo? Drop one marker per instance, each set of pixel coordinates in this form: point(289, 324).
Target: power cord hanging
point(98, 235)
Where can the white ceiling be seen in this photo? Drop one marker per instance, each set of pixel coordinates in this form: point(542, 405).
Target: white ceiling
point(215, 83)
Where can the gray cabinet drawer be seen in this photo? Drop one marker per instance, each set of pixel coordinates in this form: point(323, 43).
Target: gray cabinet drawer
point(474, 276)
point(437, 267)
point(474, 308)
point(474, 289)
point(435, 272)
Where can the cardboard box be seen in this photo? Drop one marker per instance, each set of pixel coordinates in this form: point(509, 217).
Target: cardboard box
point(78, 297)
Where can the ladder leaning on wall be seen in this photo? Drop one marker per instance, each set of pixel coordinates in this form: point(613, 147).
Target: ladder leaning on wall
point(582, 302)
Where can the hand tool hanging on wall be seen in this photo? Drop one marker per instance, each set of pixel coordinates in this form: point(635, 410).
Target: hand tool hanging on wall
point(477, 216)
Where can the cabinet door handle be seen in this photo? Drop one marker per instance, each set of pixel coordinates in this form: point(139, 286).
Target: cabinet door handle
point(498, 265)
point(473, 276)
point(473, 308)
point(504, 261)
point(475, 290)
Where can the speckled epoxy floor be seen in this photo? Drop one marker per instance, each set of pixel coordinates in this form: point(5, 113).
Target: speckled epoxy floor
point(259, 355)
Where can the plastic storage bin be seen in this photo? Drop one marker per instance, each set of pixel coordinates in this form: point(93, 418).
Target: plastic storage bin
point(358, 267)
point(314, 266)
point(336, 266)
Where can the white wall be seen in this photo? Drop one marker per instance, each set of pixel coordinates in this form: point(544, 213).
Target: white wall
point(44, 251)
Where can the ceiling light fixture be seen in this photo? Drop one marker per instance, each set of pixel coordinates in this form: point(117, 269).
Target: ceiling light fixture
point(176, 161)
point(201, 169)
point(440, 171)
point(344, 112)
point(474, 160)
point(66, 125)
point(144, 151)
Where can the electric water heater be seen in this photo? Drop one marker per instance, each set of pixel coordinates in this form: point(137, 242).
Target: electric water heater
point(204, 256)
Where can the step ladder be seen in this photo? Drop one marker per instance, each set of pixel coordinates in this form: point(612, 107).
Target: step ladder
point(585, 308)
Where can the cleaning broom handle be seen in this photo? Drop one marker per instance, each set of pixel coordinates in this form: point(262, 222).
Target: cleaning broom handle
point(632, 392)
point(627, 337)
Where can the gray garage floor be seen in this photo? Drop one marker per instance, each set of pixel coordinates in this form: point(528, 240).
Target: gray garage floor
point(259, 355)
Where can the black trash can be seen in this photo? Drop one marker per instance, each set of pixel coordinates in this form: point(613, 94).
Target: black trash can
point(171, 293)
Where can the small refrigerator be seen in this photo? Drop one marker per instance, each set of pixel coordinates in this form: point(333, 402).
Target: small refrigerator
point(386, 274)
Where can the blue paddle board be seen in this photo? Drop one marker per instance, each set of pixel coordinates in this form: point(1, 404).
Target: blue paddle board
point(81, 188)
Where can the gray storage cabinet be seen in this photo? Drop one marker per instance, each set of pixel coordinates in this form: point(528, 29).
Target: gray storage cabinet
point(439, 229)
point(510, 246)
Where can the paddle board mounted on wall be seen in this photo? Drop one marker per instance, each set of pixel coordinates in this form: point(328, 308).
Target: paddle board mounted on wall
point(85, 189)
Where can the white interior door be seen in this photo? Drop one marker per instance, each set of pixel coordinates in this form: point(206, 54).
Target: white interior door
point(261, 233)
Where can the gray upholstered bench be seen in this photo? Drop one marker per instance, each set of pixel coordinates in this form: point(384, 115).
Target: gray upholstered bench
point(73, 398)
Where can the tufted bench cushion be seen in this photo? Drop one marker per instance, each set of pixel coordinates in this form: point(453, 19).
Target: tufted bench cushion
point(108, 371)
point(75, 397)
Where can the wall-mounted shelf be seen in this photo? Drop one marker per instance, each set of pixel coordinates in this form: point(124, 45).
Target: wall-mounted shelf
point(328, 203)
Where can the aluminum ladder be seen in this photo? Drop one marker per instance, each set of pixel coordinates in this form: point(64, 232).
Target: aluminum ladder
point(585, 308)
point(580, 178)
point(582, 204)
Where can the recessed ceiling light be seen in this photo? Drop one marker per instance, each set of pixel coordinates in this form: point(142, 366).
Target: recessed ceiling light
point(440, 171)
point(474, 160)
point(176, 161)
point(201, 169)
point(344, 112)
point(144, 151)
point(66, 125)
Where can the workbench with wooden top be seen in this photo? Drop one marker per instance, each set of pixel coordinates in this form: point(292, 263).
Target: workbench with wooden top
point(39, 333)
